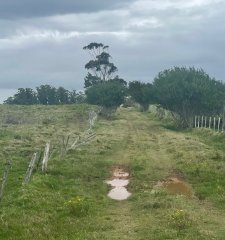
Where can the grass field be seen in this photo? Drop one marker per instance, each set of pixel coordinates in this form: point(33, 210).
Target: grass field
point(70, 200)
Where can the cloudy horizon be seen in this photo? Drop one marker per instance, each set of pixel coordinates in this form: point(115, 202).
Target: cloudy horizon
point(41, 42)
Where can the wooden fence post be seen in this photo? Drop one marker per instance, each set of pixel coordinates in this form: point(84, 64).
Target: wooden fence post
point(214, 123)
point(210, 121)
point(4, 178)
point(46, 157)
point(219, 124)
point(92, 118)
point(30, 168)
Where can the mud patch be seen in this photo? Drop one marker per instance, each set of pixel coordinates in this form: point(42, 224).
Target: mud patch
point(119, 172)
point(119, 182)
point(176, 185)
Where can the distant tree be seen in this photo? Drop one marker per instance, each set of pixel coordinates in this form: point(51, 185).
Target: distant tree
point(47, 95)
point(24, 96)
point(142, 93)
point(91, 80)
point(81, 97)
point(118, 80)
point(188, 92)
point(77, 97)
point(9, 100)
point(100, 69)
point(109, 95)
point(62, 95)
point(72, 97)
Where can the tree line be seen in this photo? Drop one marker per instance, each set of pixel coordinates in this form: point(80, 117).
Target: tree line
point(46, 95)
point(184, 91)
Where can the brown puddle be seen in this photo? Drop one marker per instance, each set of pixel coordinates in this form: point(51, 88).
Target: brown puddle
point(176, 186)
point(118, 182)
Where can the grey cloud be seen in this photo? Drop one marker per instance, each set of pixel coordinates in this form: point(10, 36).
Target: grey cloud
point(29, 9)
point(46, 63)
point(48, 50)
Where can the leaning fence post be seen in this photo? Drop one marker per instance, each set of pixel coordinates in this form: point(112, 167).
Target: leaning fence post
point(214, 123)
point(4, 178)
point(46, 157)
point(30, 168)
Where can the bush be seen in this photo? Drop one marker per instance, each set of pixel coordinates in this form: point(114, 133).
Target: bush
point(109, 95)
point(187, 92)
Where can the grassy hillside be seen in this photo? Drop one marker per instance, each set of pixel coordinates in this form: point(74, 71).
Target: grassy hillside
point(70, 200)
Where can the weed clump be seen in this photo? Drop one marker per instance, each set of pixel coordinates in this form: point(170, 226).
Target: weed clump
point(180, 219)
point(78, 206)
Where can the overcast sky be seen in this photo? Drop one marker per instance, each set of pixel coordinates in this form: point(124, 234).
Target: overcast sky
point(41, 41)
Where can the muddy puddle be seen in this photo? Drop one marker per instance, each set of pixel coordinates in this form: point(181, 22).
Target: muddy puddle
point(176, 186)
point(118, 183)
